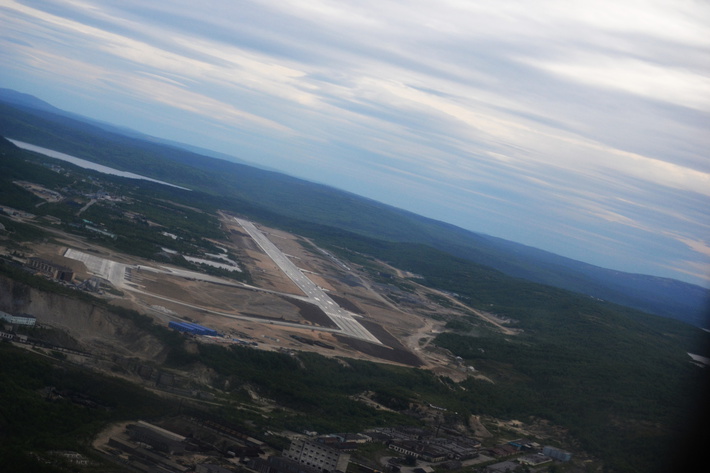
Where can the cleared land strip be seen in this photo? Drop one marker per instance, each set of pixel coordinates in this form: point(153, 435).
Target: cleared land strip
point(342, 318)
point(110, 270)
point(115, 273)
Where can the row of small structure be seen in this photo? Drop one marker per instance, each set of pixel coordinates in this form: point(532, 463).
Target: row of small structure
point(322, 454)
point(53, 270)
point(534, 458)
point(10, 320)
point(26, 320)
point(419, 444)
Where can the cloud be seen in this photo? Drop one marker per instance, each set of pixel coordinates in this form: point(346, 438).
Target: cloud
point(677, 86)
point(698, 246)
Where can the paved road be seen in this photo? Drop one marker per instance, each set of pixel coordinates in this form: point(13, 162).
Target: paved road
point(316, 295)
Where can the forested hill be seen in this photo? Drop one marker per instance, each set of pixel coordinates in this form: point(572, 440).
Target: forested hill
point(36, 122)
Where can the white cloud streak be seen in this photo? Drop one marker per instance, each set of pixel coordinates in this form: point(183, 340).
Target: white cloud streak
point(563, 115)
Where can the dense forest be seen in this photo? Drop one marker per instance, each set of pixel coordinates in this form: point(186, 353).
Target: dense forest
point(32, 420)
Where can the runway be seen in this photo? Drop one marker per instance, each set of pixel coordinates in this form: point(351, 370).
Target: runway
point(346, 322)
point(316, 295)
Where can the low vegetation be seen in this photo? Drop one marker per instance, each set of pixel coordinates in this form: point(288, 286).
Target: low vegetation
point(617, 379)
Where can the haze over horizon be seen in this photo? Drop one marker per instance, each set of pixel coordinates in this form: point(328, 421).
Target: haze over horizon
point(580, 128)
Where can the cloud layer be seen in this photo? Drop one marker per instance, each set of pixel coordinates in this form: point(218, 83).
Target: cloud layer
point(576, 127)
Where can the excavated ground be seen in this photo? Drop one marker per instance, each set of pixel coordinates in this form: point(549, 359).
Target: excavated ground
point(271, 319)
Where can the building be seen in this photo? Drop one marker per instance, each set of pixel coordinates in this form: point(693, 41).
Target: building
point(426, 451)
point(357, 438)
point(55, 271)
point(160, 439)
point(398, 433)
point(523, 444)
point(193, 329)
point(461, 448)
point(336, 443)
point(141, 459)
point(557, 453)
point(503, 450)
point(409, 448)
point(354, 438)
point(317, 455)
point(24, 319)
point(433, 454)
point(534, 460)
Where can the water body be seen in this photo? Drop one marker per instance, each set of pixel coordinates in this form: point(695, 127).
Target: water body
point(88, 164)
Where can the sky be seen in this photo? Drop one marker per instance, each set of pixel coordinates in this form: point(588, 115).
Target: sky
point(577, 127)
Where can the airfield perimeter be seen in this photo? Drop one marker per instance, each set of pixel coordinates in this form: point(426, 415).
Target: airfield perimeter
point(300, 295)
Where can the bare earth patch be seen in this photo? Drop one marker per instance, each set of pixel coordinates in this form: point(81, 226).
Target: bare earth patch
point(274, 308)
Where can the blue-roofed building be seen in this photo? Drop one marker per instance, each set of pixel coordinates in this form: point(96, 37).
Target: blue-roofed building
point(557, 453)
point(195, 329)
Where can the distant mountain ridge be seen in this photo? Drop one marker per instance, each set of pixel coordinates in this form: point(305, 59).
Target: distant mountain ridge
point(27, 101)
point(30, 119)
point(20, 99)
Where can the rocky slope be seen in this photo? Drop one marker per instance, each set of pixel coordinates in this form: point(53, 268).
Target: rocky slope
point(95, 328)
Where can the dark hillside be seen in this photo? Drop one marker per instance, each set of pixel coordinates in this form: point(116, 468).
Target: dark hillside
point(19, 99)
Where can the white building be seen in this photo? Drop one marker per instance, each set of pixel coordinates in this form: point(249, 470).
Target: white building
point(317, 455)
point(23, 319)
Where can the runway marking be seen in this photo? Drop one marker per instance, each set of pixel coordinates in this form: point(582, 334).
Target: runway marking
point(116, 272)
point(342, 318)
